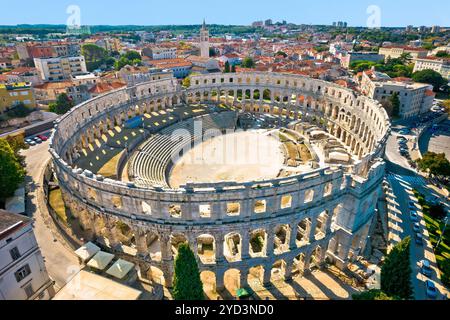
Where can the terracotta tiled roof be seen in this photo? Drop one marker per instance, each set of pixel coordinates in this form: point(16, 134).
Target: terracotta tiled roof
point(103, 87)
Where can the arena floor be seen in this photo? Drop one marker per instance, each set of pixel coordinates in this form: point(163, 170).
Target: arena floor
point(240, 156)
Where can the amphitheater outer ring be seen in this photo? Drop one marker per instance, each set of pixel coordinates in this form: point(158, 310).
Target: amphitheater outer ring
point(350, 204)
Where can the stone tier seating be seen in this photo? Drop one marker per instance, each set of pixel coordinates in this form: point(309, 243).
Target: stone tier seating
point(150, 164)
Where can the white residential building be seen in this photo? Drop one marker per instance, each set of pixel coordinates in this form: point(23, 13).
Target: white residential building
point(441, 65)
point(415, 98)
point(159, 53)
point(394, 52)
point(57, 69)
point(23, 275)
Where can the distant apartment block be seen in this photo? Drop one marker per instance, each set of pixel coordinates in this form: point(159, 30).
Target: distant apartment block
point(394, 52)
point(415, 98)
point(23, 275)
point(181, 68)
point(159, 53)
point(57, 69)
point(47, 50)
point(13, 94)
point(352, 56)
point(441, 65)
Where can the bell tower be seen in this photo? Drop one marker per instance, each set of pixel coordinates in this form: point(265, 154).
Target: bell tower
point(204, 41)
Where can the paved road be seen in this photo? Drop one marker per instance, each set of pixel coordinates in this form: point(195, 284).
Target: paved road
point(60, 261)
point(401, 226)
point(439, 143)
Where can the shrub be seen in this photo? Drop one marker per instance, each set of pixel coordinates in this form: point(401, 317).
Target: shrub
point(372, 295)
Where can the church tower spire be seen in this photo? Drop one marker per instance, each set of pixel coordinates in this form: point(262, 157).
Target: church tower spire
point(204, 41)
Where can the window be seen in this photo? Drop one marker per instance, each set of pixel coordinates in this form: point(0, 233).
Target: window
point(233, 209)
point(22, 273)
point(328, 189)
point(29, 290)
point(286, 202)
point(260, 206)
point(309, 195)
point(205, 211)
point(15, 254)
point(146, 208)
point(175, 211)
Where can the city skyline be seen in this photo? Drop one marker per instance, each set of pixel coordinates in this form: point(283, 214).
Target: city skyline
point(182, 13)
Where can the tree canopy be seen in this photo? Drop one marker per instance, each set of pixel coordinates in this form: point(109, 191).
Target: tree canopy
point(396, 271)
point(435, 163)
point(96, 56)
point(12, 172)
point(395, 103)
point(227, 67)
point(187, 282)
point(130, 58)
point(62, 105)
point(248, 62)
point(431, 77)
point(19, 111)
point(372, 295)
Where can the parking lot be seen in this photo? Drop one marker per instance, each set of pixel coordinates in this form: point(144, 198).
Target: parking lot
point(37, 138)
point(405, 219)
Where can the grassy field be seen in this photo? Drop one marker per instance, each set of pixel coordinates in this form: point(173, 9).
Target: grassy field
point(442, 252)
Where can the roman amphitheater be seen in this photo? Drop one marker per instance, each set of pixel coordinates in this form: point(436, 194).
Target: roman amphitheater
point(261, 173)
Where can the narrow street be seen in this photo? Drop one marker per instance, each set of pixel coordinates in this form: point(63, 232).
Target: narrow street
point(60, 261)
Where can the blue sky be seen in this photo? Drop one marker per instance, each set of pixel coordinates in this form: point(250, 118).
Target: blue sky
point(157, 12)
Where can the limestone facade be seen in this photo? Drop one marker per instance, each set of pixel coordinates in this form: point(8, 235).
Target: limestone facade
point(330, 211)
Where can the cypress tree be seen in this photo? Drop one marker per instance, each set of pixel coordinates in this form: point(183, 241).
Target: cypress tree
point(187, 282)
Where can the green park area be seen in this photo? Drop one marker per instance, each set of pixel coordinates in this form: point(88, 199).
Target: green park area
point(434, 215)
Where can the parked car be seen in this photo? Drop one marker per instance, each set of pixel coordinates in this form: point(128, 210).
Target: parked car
point(37, 140)
point(425, 268)
point(42, 137)
point(32, 143)
point(405, 131)
point(28, 141)
point(413, 216)
point(418, 237)
point(416, 227)
point(431, 289)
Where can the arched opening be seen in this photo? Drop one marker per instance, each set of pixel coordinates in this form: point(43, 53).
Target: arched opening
point(303, 232)
point(255, 275)
point(320, 231)
point(175, 240)
point(208, 279)
point(298, 264)
point(315, 259)
point(206, 248)
point(124, 234)
point(278, 271)
point(232, 280)
point(158, 276)
point(281, 241)
point(153, 246)
point(258, 243)
point(233, 247)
